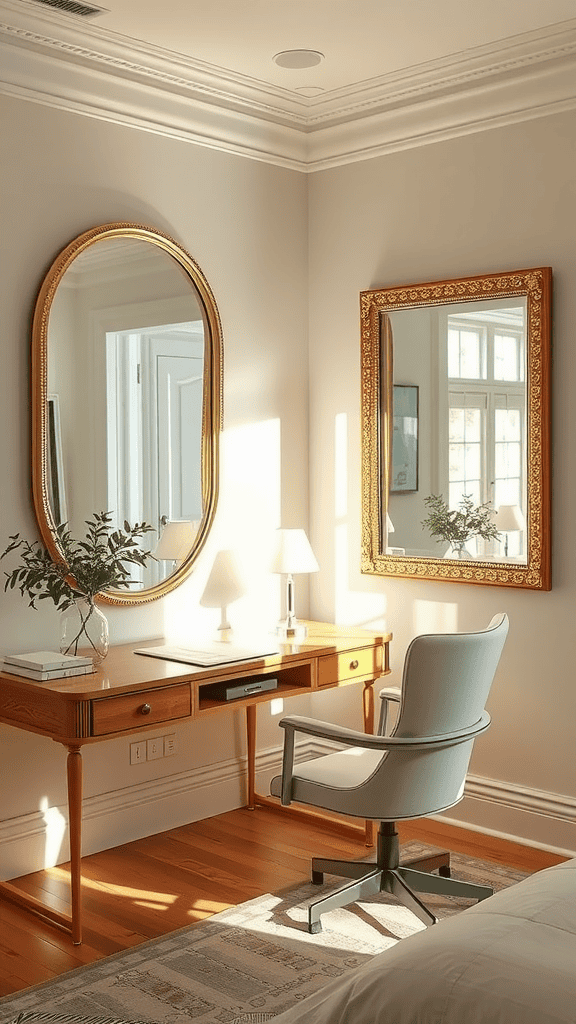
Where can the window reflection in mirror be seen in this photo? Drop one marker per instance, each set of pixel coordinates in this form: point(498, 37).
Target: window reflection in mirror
point(469, 368)
point(456, 419)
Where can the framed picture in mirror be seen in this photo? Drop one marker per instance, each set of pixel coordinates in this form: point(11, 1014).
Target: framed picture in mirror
point(404, 477)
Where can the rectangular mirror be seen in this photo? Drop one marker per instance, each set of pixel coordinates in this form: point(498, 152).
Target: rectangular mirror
point(456, 430)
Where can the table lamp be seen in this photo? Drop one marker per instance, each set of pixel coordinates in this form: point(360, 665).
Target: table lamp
point(176, 541)
point(225, 584)
point(509, 519)
point(292, 554)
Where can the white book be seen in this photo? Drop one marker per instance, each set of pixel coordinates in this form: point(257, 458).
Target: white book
point(47, 661)
point(55, 673)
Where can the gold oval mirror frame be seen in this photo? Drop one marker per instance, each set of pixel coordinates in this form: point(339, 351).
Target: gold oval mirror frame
point(415, 394)
point(90, 247)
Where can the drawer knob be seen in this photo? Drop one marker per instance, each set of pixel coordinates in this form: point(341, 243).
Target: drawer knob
point(145, 709)
point(354, 664)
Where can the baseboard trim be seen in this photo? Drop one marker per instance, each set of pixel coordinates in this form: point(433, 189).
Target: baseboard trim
point(521, 798)
point(28, 843)
point(507, 837)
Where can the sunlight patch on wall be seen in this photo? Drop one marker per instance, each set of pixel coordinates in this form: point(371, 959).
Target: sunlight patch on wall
point(247, 515)
point(363, 608)
point(434, 617)
point(56, 826)
point(340, 465)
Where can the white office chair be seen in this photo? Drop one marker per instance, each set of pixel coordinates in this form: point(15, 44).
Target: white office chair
point(418, 770)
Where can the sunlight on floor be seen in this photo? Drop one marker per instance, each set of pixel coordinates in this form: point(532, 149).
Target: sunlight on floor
point(371, 923)
point(149, 900)
point(152, 898)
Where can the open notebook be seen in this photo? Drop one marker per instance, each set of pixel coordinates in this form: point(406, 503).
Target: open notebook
point(207, 654)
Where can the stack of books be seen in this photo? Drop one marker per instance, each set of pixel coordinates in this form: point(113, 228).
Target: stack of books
point(46, 665)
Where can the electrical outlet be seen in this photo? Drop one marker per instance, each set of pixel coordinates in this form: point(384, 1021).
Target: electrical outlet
point(155, 748)
point(169, 745)
point(138, 752)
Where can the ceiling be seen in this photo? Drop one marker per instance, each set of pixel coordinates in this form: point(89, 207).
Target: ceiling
point(360, 39)
point(393, 73)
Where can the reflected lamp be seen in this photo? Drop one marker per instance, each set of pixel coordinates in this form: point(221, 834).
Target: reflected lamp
point(509, 519)
point(176, 541)
point(292, 554)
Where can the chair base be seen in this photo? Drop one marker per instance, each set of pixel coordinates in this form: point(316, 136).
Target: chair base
point(387, 875)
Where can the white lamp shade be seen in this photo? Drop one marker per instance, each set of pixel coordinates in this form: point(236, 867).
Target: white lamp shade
point(509, 518)
point(225, 582)
point(292, 553)
point(176, 540)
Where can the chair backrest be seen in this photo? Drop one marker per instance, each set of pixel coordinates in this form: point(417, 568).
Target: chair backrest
point(447, 679)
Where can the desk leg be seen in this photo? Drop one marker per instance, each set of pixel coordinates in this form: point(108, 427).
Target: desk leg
point(74, 771)
point(251, 752)
point(368, 713)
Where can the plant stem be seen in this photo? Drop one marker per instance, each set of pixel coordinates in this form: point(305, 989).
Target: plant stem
point(82, 629)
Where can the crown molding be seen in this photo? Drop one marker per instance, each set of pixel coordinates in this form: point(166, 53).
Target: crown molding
point(49, 58)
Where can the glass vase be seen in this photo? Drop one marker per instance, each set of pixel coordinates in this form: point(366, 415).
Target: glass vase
point(84, 631)
point(458, 550)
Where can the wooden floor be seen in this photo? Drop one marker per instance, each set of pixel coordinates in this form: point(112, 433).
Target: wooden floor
point(155, 885)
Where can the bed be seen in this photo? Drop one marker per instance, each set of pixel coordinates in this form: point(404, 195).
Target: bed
point(508, 960)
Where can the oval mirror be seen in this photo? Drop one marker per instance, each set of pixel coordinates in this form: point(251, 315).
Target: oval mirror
point(127, 398)
point(456, 430)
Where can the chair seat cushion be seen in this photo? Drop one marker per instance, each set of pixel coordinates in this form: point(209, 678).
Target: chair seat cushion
point(335, 774)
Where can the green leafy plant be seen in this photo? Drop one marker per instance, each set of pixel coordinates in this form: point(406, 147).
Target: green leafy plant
point(461, 524)
point(99, 562)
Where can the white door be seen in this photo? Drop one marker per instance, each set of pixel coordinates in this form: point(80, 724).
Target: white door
point(155, 391)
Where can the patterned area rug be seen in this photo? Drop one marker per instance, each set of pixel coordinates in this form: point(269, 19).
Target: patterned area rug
point(246, 964)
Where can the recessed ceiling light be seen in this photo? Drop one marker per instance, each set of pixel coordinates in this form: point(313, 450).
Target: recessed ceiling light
point(298, 58)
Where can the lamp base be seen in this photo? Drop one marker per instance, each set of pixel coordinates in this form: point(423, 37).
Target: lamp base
point(291, 632)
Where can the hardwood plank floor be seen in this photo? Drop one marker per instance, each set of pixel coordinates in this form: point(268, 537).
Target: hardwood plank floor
point(152, 886)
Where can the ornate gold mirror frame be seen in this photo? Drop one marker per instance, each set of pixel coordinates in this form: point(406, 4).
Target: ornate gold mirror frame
point(211, 387)
point(377, 306)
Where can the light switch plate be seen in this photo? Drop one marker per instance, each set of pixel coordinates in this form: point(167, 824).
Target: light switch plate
point(138, 752)
point(155, 748)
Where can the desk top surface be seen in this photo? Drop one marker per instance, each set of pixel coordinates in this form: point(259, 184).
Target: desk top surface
point(123, 668)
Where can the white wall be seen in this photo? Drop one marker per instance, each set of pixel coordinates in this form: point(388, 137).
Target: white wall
point(245, 223)
point(499, 200)
point(494, 201)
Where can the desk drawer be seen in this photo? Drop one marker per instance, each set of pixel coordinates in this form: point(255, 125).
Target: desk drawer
point(147, 707)
point(334, 668)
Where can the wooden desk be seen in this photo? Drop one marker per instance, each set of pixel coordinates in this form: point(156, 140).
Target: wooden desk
point(132, 693)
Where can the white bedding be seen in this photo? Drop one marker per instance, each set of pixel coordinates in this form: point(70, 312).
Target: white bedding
point(508, 960)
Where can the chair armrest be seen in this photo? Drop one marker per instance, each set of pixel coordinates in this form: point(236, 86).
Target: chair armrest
point(368, 741)
point(350, 737)
point(388, 695)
